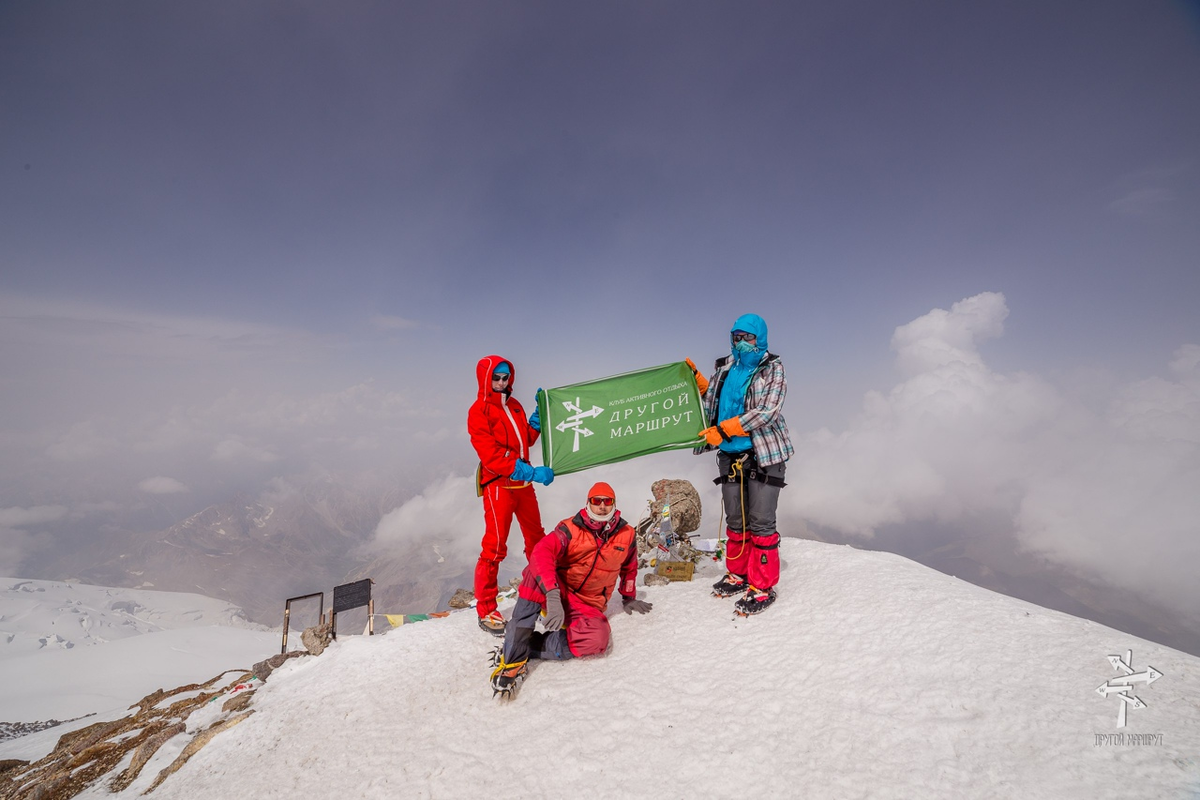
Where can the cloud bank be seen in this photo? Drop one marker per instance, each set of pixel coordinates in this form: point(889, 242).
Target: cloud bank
point(1113, 492)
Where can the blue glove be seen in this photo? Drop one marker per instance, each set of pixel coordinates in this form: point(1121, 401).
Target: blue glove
point(523, 472)
point(543, 475)
point(535, 420)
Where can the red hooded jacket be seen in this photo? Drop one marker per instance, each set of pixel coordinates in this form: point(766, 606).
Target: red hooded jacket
point(499, 431)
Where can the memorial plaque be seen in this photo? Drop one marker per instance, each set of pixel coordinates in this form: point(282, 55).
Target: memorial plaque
point(351, 595)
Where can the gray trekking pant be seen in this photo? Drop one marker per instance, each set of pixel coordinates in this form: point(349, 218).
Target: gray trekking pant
point(761, 500)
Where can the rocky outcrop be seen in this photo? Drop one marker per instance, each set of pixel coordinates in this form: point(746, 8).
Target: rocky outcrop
point(263, 669)
point(193, 747)
point(86, 756)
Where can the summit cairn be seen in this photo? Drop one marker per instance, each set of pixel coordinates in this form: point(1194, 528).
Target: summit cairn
point(663, 537)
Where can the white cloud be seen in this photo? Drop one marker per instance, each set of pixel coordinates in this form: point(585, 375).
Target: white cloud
point(1142, 202)
point(1186, 362)
point(161, 485)
point(15, 517)
point(1149, 191)
point(933, 446)
point(449, 512)
point(82, 442)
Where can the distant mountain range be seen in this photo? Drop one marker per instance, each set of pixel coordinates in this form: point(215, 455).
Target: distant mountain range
point(257, 553)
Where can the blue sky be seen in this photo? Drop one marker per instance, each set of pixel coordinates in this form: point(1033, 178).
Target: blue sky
point(242, 241)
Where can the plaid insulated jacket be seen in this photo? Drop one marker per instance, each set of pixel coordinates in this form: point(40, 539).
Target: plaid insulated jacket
point(763, 419)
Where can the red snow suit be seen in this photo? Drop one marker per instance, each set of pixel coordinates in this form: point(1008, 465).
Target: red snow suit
point(500, 435)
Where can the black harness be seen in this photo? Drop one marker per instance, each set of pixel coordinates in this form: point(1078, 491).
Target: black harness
point(745, 466)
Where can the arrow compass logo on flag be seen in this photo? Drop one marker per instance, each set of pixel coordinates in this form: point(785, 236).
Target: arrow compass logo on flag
point(1123, 686)
point(575, 421)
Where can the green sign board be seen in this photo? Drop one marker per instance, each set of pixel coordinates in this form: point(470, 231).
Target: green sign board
point(618, 418)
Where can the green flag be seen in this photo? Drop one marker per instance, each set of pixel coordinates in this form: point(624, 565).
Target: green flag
point(618, 418)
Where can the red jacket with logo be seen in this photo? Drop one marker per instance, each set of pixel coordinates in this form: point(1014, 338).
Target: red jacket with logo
point(583, 559)
point(499, 431)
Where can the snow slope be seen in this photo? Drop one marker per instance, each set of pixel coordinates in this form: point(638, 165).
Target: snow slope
point(70, 650)
point(872, 677)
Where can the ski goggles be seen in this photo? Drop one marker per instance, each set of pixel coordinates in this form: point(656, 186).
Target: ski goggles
point(601, 501)
point(742, 336)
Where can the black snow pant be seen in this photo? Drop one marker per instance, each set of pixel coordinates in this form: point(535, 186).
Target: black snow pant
point(522, 642)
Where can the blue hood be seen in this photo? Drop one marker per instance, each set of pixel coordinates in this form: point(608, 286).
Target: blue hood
point(751, 323)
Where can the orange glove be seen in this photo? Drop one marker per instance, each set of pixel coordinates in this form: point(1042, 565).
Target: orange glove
point(733, 427)
point(712, 435)
point(701, 381)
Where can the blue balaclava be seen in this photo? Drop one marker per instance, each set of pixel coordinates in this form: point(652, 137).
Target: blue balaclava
point(745, 360)
point(742, 351)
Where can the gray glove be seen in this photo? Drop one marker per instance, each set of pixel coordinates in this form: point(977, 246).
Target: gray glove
point(631, 605)
point(554, 611)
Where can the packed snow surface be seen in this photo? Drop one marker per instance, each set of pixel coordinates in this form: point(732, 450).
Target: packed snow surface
point(871, 677)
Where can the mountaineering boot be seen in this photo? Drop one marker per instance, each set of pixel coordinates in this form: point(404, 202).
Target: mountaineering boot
point(507, 678)
point(729, 585)
point(754, 601)
point(493, 623)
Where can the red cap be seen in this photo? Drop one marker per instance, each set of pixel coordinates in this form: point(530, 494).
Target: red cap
point(602, 489)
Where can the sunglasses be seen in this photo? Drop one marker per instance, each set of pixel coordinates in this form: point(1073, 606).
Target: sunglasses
point(601, 501)
point(501, 376)
point(744, 337)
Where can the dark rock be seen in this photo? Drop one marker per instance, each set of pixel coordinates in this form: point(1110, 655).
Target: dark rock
point(317, 638)
point(238, 702)
point(655, 580)
point(685, 503)
point(264, 668)
point(462, 598)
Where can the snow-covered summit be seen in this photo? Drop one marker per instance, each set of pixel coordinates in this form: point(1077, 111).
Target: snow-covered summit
point(870, 677)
